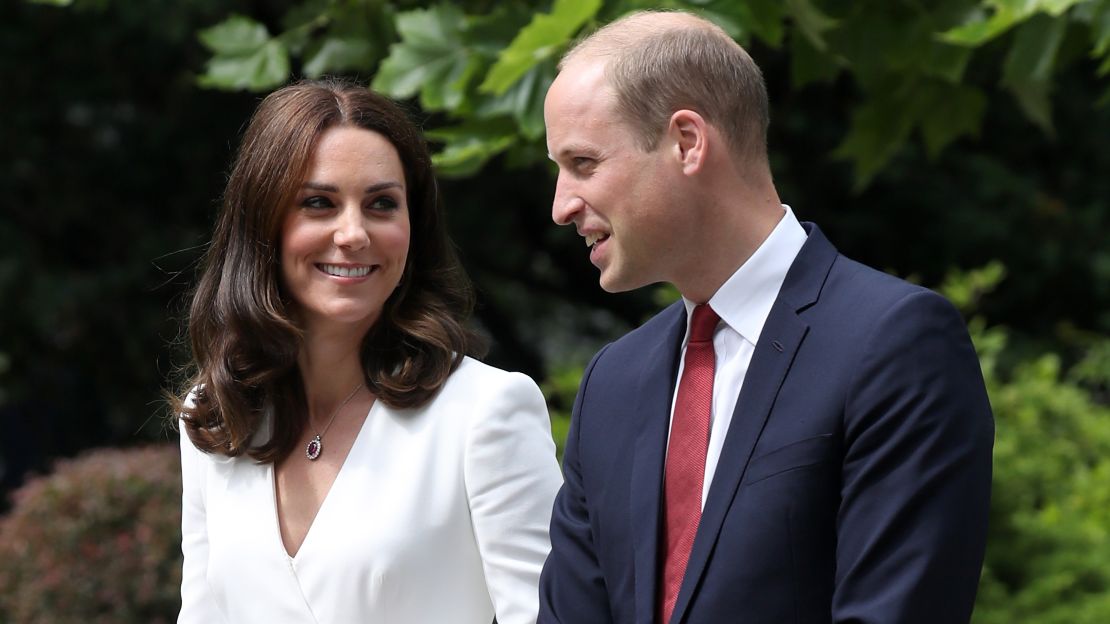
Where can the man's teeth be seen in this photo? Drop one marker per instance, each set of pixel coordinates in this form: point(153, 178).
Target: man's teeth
point(341, 271)
point(592, 239)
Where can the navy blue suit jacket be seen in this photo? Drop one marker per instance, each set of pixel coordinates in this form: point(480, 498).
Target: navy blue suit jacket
point(854, 482)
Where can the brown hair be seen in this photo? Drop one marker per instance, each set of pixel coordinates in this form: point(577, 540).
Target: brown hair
point(241, 327)
point(663, 61)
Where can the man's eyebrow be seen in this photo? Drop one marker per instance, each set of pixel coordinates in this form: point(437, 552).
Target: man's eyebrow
point(573, 149)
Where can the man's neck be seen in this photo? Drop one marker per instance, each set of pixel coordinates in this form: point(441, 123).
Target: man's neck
point(725, 247)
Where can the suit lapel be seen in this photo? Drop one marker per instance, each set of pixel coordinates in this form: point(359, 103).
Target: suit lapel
point(652, 412)
point(780, 339)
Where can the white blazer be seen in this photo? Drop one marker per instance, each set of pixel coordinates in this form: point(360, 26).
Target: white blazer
point(438, 515)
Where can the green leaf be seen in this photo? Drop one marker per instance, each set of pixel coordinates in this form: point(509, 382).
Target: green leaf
point(1056, 8)
point(1032, 55)
point(266, 68)
point(523, 101)
point(235, 36)
point(244, 56)
point(727, 22)
point(811, 21)
point(1007, 14)
point(58, 3)
point(435, 28)
point(946, 61)
point(808, 65)
point(540, 40)
point(469, 146)
point(763, 18)
point(950, 112)
point(431, 59)
point(964, 288)
point(302, 23)
point(1100, 30)
point(529, 115)
point(1033, 97)
point(880, 126)
point(308, 13)
point(741, 20)
point(492, 32)
point(1027, 71)
point(408, 69)
point(338, 54)
point(981, 29)
point(449, 93)
point(479, 129)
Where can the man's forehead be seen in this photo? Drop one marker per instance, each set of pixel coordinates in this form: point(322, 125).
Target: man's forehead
point(580, 90)
point(583, 70)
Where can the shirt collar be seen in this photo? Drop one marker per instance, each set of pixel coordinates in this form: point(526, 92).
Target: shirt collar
point(744, 301)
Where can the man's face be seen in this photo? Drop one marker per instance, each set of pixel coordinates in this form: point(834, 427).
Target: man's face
point(618, 196)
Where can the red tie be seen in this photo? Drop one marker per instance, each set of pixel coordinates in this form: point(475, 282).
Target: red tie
point(689, 442)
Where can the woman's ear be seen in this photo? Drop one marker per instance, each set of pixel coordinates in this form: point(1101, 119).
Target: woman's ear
point(690, 135)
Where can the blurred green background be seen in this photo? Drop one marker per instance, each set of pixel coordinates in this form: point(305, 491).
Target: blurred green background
point(962, 144)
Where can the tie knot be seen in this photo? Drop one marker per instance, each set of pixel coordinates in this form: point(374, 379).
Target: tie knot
point(703, 323)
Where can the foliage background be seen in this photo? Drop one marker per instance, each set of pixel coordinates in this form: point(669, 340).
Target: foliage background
point(927, 139)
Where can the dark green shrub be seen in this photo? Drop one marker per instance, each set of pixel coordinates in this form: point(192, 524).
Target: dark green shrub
point(1048, 549)
point(97, 540)
point(1048, 554)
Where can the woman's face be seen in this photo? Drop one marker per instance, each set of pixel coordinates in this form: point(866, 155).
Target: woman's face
point(345, 239)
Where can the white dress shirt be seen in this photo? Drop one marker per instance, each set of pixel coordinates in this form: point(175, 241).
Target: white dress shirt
point(439, 514)
point(743, 303)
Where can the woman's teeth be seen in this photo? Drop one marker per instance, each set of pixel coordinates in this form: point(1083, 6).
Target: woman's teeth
point(342, 271)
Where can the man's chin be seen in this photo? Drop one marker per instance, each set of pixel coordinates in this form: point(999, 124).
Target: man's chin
point(611, 282)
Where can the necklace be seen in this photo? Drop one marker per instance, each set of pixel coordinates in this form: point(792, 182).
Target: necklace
point(316, 445)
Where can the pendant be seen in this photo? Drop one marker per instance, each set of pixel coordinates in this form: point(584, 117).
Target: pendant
point(315, 446)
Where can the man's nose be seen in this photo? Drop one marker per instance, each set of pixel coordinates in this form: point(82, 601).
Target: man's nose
point(567, 204)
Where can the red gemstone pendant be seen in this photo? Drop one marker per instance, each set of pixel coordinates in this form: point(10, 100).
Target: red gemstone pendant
point(312, 451)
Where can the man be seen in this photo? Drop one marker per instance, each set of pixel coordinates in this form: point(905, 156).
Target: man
point(815, 445)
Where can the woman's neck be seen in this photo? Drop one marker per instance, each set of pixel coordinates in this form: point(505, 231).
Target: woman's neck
point(331, 366)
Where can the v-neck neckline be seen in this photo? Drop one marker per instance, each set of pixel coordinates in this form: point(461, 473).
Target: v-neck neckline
point(276, 514)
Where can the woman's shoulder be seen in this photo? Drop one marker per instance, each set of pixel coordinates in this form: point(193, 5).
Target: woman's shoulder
point(477, 383)
point(474, 376)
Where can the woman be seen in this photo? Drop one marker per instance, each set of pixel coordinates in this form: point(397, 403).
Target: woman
point(344, 460)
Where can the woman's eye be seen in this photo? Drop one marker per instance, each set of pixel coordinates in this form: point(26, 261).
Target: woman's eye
point(316, 201)
point(384, 203)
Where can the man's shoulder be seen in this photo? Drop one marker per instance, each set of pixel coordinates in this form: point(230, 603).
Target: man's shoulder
point(648, 334)
point(821, 274)
point(870, 288)
point(625, 354)
point(840, 277)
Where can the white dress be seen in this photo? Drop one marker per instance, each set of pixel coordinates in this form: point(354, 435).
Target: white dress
point(438, 515)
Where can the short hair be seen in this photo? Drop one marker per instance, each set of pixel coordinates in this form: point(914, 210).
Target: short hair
point(242, 325)
point(659, 62)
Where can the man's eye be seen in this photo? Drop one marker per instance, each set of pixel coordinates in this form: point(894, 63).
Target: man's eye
point(583, 164)
point(316, 201)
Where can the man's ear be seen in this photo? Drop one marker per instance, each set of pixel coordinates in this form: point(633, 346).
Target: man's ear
point(689, 134)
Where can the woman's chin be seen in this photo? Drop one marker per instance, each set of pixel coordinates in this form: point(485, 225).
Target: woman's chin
point(341, 319)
